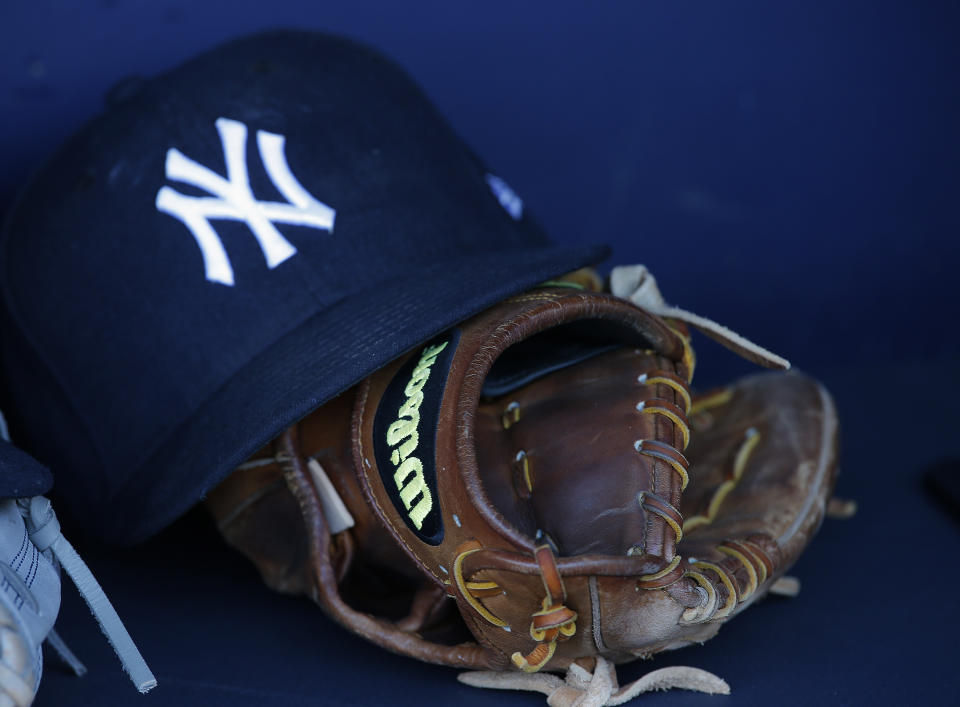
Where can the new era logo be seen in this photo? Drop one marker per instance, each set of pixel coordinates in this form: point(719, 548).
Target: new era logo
point(232, 198)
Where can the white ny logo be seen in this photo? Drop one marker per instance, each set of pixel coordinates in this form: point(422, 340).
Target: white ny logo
point(233, 199)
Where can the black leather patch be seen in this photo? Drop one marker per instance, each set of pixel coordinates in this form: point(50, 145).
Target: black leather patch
point(555, 349)
point(405, 436)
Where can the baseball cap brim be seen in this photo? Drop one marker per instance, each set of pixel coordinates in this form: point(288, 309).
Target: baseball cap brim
point(310, 365)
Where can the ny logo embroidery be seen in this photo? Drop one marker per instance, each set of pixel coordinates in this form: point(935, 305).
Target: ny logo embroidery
point(232, 199)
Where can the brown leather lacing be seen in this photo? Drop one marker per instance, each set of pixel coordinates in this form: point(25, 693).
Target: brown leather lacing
point(658, 449)
point(750, 557)
point(708, 607)
point(659, 406)
point(655, 504)
point(326, 586)
point(689, 356)
point(671, 573)
point(672, 380)
point(729, 548)
point(666, 453)
point(762, 561)
point(554, 622)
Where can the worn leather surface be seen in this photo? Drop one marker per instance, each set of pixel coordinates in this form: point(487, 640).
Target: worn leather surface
point(583, 487)
point(577, 433)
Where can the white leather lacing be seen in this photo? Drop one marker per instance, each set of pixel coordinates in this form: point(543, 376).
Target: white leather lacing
point(636, 284)
point(599, 688)
point(44, 530)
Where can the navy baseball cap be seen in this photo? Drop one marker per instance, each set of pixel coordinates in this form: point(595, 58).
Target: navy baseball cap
point(228, 246)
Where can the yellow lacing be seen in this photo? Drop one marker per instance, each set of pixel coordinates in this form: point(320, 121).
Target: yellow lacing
point(670, 415)
point(679, 388)
point(751, 440)
point(721, 397)
point(731, 601)
point(751, 572)
point(739, 464)
point(465, 592)
point(701, 613)
point(510, 416)
point(677, 466)
point(524, 462)
point(660, 574)
point(483, 589)
point(567, 629)
point(535, 659)
point(757, 562)
point(678, 531)
point(554, 622)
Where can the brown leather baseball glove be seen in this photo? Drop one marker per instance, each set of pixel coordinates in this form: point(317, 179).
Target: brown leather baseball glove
point(538, 490)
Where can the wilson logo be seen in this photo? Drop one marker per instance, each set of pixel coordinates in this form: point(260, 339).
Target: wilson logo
point(232, 198)
point(403, 436)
